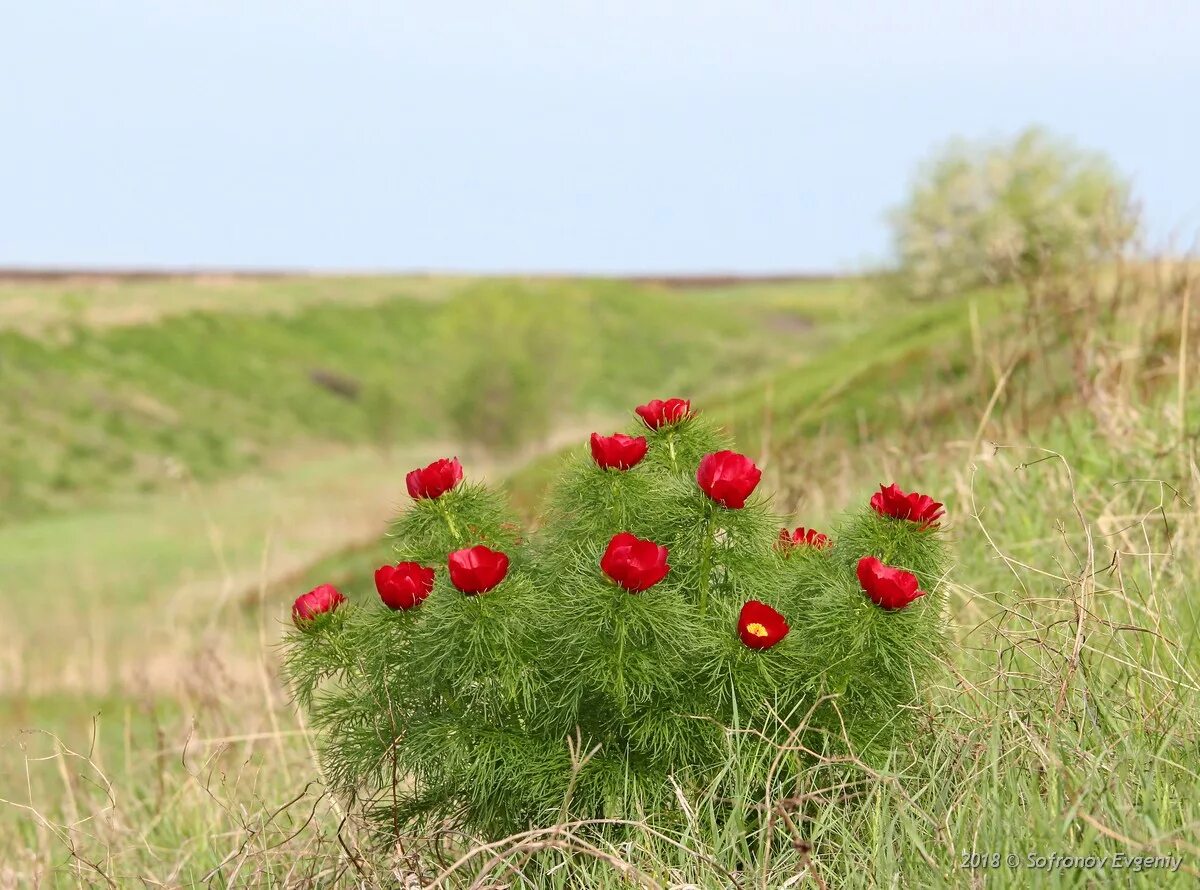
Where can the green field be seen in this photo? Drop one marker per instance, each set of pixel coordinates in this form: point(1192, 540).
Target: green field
point(180, 458)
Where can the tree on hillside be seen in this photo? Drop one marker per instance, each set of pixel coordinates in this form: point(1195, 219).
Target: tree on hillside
point(989, 213)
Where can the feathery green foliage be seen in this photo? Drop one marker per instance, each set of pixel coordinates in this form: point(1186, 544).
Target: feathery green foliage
point(558, 694)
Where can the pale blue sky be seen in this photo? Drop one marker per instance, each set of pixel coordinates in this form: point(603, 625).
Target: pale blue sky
point(607, 136)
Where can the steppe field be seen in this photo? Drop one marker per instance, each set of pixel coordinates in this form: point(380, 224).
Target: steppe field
point(180, 457)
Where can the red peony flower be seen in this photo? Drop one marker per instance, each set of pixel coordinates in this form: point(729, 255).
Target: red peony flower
point(803, 537)
point(657, 413)
point(316, 602)
point(887, 586)
point(634, 564)
point(403, 585)
point(618, 451)
point(921, 508)
point(728, 478)
point(760, 626)
point(434, 480)
point(477, 569)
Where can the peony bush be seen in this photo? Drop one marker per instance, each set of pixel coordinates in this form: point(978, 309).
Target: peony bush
point(604, 665)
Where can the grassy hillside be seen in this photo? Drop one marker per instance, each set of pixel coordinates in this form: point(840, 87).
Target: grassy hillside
point(168, 447)
point(1061, 434)
point(101, 404)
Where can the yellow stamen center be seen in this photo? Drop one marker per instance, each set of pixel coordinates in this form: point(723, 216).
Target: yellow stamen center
point(757, 629)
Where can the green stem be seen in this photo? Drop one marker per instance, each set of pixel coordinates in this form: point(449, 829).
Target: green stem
point(706, 545)
point(621, 660)
point(449, 519)
point(671, 449)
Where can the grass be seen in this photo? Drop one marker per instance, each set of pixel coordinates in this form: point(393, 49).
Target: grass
point(825, 398)
point(1067, 721)
point(93, 413)
point(139, 580)
point(53, 307)
point(158, 467)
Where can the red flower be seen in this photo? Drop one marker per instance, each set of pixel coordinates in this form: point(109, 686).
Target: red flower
point(728, 478)
point(635, 564)
point(477, 569)
point(807, 537)
point(403, 585)
point(657, 413)
point(891, 501)
point(887, 586)
point(316, 602)
point(434, 480)
point(618, 451)
point(760, 626)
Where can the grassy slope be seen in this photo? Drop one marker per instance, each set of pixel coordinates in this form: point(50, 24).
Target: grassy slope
point(165, 460)
point(164, 451)
point(1068, 720)
point(40, 307)
point(93, 410)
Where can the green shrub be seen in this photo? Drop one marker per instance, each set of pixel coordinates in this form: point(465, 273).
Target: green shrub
point(1016, 211)
point(585, 683)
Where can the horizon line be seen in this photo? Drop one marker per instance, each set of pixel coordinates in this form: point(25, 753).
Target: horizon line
point(54, 272)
